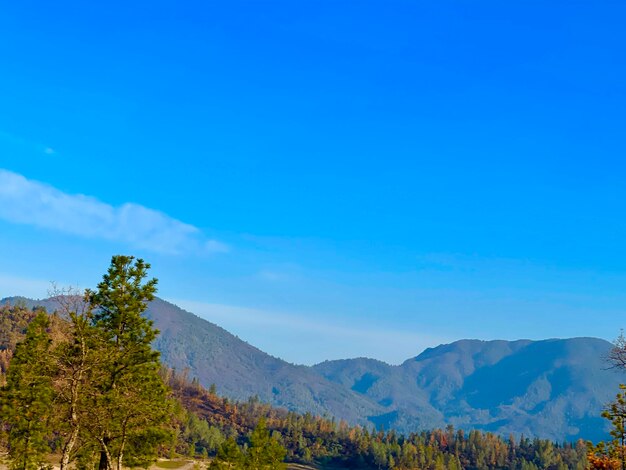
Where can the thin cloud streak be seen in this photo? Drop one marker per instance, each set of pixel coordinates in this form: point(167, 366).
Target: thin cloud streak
point(364, 340)
point(29, 202)
point(11, 286)
point(28, 145)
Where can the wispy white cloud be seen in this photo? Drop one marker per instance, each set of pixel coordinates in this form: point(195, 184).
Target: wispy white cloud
point(30, 202)
point(299, 339)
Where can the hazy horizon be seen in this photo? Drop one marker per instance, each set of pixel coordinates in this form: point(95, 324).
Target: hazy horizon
point(324, 179)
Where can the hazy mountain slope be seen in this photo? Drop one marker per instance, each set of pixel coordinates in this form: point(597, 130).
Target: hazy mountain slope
point(388, 386)
point(49, 304)
point(240, 370)
point(551, 388)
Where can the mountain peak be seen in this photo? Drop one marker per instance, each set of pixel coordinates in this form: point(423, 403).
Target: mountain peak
point(552, 388)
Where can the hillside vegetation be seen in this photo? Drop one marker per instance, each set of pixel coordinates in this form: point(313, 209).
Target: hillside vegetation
point(554, 389)
point(119, 413)
point(204, 424)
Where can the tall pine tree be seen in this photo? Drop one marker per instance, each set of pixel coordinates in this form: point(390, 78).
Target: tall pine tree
point(129, 398)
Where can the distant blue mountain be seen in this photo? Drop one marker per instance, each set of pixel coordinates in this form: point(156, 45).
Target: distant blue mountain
point(554, 388)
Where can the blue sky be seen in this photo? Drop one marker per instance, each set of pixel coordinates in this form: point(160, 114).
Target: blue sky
point(324, 179)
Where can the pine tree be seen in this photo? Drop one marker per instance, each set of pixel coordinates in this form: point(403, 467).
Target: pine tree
point(265, 451)
point(616, 413)
point(27, 398)
point(129, 396)
point(229, 456)
point(613, 454)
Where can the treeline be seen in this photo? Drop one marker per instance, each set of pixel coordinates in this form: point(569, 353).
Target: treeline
point(313, 439)
point(85, 384)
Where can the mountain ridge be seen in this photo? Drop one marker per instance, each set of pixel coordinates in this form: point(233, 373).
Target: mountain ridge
point(553, 388)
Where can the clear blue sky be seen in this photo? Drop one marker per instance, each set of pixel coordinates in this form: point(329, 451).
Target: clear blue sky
point(324, 178)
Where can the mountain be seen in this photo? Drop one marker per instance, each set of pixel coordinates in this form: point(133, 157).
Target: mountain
point(239, 370)
point(552, 389)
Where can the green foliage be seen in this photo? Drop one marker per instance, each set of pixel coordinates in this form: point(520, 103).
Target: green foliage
point(28, 396)
point(104, 356)
point(130, 399)
point(14, 320)
point(142, 447)
point(612, 454)
point(616, 414)
point(265, 452)
point(202, 435)
point(96, 387)
point(120, 300)
point(319, 441)
point(229, 456)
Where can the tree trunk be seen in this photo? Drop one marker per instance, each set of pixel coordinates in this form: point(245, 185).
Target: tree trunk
point(74, 397)
point(104, 464)
point(105, 456)
point(67, 449)
point(71, 442)
point(26, 449)
point(75, 390)
point(120, 456)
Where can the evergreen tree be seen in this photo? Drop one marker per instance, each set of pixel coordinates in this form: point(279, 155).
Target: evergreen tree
point(129, 397)
point(612, 454)
point(229, 456)
point(28, 396)
point(265, 452)
point(616, 413)
point(98, 380)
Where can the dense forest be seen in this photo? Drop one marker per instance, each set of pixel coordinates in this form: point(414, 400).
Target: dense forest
point(83, 384)
point(314, 439)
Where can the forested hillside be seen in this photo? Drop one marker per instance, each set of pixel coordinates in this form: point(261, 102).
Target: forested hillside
point(552, 389)
point(312, 439)
point(203, 424)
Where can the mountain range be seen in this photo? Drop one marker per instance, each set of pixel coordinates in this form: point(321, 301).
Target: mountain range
point(554, 388)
